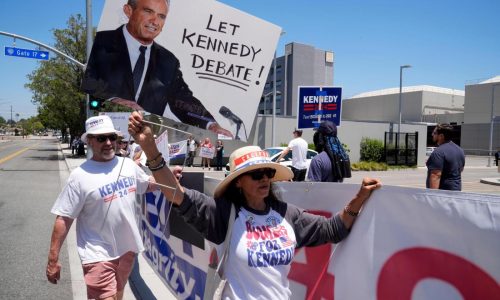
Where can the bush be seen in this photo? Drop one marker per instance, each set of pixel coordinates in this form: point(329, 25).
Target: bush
point(371, 150)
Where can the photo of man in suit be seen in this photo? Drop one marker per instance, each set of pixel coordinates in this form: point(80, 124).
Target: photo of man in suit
point(127, 66)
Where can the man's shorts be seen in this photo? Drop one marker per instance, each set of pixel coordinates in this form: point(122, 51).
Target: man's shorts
point(106, 278)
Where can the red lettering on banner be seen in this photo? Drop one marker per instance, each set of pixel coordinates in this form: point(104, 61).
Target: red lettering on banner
point(314, 274)
point(403, 270)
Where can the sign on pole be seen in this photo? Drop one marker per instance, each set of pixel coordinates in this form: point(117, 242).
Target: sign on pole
point(318, 104)
point(27, 53)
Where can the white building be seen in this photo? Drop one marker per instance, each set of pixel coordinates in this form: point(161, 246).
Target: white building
point(422, 103)
point(481, 100)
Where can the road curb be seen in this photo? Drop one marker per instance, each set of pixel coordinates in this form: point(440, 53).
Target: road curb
point(492, 181)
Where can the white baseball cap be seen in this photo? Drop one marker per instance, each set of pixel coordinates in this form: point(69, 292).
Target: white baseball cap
point(98, 125)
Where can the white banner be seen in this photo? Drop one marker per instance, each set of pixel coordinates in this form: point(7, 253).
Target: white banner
point(225, 55)
point(177, 150)
point(421, 244)
point(406, 244)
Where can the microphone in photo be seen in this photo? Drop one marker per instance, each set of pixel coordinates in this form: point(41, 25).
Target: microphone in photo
point(228, 114)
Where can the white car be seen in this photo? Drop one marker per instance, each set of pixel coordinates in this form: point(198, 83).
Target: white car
point(275, 152)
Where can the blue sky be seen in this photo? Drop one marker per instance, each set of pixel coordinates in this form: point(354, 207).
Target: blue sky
point(449, 43)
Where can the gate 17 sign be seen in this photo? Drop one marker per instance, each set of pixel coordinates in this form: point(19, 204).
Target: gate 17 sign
point(27, 53)
point(318, 104)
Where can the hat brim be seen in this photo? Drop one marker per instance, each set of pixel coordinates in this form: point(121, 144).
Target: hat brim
point(282, 174)
point(97, 132)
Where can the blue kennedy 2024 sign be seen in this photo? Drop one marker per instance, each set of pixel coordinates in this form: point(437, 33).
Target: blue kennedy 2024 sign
point(28, 53)
point(318, 104)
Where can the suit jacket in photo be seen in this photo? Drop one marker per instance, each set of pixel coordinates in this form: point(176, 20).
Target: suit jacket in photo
point(109, 74)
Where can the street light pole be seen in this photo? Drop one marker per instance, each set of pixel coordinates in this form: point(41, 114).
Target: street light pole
point(401, 94)
point(89, 46)
point(492, 121)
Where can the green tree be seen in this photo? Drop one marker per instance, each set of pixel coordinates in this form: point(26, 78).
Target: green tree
point(2, 121)
point(31, 125)
point(56, 82)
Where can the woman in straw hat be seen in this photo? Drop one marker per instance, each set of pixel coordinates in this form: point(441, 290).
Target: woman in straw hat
point(265, 232)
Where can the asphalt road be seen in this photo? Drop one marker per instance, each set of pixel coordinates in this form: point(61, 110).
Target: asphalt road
point(29, 184)
point(475, 170)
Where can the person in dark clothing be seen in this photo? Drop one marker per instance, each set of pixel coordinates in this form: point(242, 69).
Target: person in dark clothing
point(332, 163)
point(497, 157)
point(447, 161)
point(219, 148)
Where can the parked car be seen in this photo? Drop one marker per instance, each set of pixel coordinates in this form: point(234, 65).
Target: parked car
point(275, 152)
point(429, 150)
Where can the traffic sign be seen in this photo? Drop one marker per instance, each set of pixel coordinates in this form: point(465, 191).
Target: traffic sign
point(28, 53)
point(318, 104)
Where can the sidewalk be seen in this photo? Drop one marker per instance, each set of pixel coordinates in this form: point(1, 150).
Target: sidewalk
point(143, 284)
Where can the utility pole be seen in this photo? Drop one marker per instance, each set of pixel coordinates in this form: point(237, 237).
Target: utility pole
point(89, 45)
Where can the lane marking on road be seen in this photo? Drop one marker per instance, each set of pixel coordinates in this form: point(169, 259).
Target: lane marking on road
point(11, 156)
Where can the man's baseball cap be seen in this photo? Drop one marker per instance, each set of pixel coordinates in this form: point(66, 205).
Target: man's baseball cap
point(98, 125)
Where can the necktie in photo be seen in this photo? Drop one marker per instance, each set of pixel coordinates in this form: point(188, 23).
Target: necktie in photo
point(139, 68)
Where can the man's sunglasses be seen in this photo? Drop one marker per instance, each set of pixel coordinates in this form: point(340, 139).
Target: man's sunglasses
point(103, 138)
point(259, 173)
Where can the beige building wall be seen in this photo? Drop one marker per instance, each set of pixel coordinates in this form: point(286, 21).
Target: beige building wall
point(417, 103)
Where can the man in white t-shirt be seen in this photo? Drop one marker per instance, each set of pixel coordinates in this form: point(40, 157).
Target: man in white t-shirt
point(298, 146)
point(192, 145)
point(101, 195)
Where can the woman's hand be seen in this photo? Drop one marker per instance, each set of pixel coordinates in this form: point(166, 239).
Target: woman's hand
point(141, 132)
point(368, 185)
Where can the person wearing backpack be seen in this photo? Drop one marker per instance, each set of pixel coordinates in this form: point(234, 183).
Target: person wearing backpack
point(332, 163)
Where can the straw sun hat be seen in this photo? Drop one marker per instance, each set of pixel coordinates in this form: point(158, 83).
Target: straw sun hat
point(250, 158)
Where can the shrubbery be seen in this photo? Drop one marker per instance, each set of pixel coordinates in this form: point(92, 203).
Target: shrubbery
point(372, 150)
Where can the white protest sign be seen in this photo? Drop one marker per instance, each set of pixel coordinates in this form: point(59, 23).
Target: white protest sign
point(207, 152)
point(225, 55)
point(120, 122)
point(178, 149)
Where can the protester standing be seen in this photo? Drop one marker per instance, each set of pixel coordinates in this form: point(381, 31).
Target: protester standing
point(298, 146)
point(332, 164)
point(192, 145)
point(74, 145)
point(205, 160)
point(264, 227)
point(219, 154)
point(447, 161)
point(100, 195)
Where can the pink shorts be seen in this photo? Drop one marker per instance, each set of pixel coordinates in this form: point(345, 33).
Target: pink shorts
point(106, 278)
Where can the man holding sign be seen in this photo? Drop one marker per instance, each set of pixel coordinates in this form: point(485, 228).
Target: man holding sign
point(126, 63)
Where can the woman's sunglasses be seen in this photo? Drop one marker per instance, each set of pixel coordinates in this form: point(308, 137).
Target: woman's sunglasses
point(259, 173)
point(103, 138)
